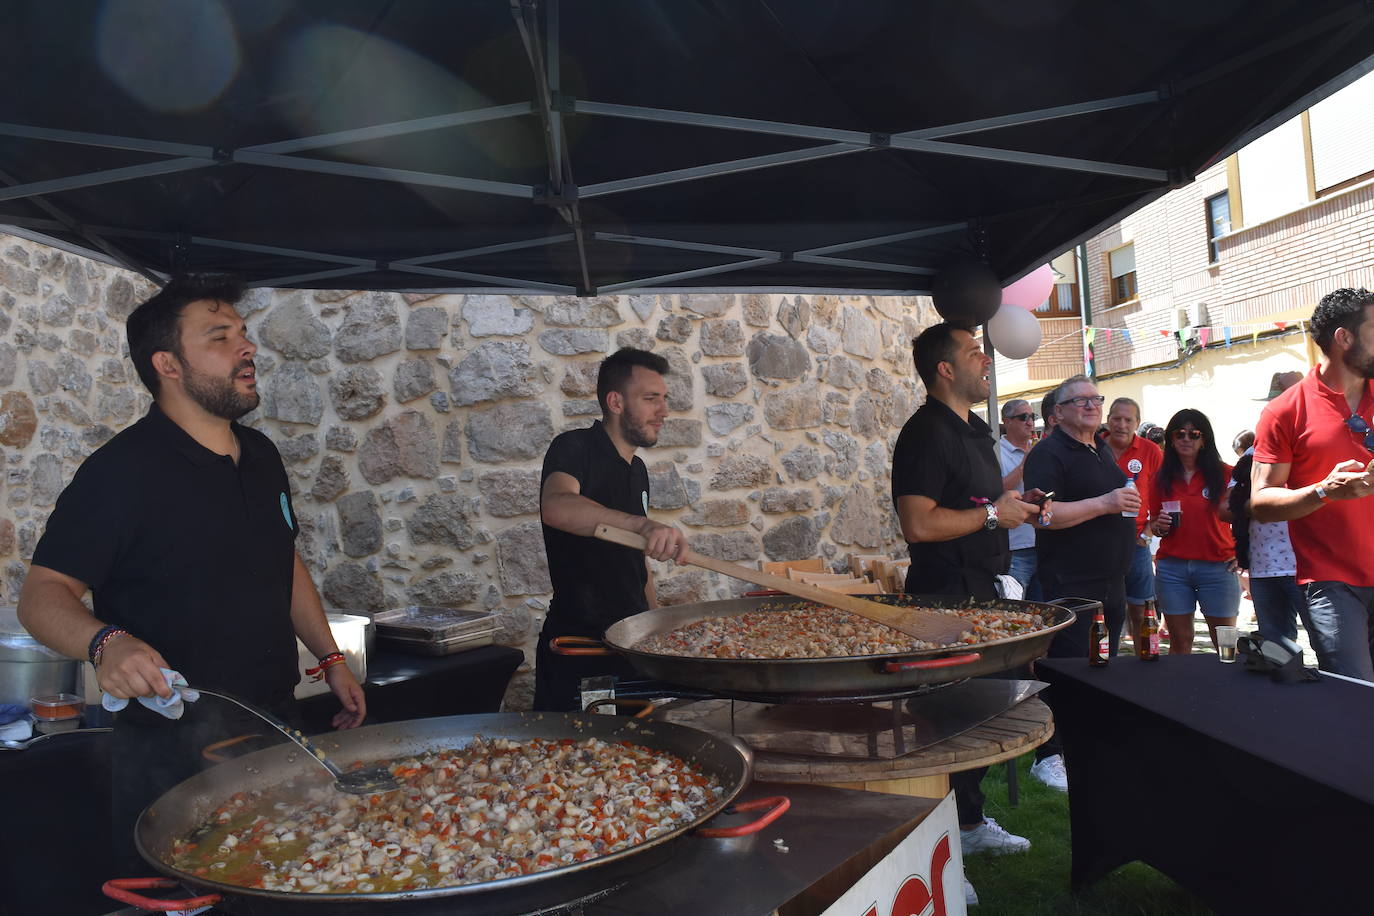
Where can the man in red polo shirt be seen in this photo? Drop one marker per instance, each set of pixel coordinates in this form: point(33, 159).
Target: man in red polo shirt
point(1313, 468)
point(1139, 460)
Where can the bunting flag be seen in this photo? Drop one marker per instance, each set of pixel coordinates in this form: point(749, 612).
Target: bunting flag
point(1107, 335)
point(1227, 332)
point(1254, 338)
point(1204, 335)
point(1164, 333)
point(1126, 335)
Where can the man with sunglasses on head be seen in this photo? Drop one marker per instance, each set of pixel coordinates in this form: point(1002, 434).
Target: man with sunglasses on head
point(1313, 451)
point(1084, 549)
point(1018, 423)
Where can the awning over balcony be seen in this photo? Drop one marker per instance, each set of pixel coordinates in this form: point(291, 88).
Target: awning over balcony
point(616, 145)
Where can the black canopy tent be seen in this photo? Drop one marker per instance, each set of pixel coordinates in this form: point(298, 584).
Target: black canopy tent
point(597, 147)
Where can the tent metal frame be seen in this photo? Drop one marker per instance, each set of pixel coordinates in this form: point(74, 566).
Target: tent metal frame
point(561, 192)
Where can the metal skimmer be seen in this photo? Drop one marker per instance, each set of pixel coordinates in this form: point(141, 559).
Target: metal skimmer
point(373, 780)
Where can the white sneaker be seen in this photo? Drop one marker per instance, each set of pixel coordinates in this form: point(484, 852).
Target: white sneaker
point(990, 837)
point(1051, 772)
point(970, 895)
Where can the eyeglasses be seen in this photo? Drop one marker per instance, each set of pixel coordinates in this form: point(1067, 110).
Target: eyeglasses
point(1082, 401)
point(1194, 434)
point(1359, 426)
point(1023, 417)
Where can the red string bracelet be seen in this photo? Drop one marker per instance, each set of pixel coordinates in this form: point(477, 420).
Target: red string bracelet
point(326, 662)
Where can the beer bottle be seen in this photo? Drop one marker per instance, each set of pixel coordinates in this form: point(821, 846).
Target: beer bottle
point(1099, 645)
point(1147, 644)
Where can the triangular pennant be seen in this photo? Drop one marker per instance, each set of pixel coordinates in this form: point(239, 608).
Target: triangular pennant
point(1089, 334)
point(1204, 335)
point(1126, 336)
point(1226, 331)
point(1164, 333)
point(1106, 335)
point(1281, 325)
point(1254, 338)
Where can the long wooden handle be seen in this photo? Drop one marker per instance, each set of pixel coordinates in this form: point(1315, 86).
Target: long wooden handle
point(920, 624)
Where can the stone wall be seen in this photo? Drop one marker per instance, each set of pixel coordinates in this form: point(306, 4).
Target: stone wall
point(413, 425)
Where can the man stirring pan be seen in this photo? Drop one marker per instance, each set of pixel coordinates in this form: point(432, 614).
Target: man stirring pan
point(182, 529)
point(592, 477)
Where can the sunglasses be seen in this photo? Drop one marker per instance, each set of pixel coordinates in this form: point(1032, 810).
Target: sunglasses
point(1083, 401)
point(1023, 417)
point(1193, 434)
point(1359, 426)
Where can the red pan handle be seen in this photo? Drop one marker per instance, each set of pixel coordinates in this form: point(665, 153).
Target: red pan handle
point(765, 593)
point(949, 661)
point(578, 645)
point(122, 889)
point(644, 706)
point(777, 805)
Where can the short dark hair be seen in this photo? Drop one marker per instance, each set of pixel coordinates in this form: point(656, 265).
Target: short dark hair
point(156, 324)
point(1340, 308)
point(1047, 403)
point(935, 345)
point(617, 368)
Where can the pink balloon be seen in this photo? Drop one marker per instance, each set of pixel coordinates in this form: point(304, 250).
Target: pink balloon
point(1031, 290)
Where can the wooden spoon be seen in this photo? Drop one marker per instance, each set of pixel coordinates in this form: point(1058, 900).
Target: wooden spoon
point(929, 626)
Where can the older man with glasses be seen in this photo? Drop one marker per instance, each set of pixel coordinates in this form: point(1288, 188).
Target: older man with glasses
point(1018, 423)
point(1313, 450)
point(1085, 547)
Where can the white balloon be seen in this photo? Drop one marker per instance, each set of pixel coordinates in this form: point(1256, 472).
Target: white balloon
point(1015, 332)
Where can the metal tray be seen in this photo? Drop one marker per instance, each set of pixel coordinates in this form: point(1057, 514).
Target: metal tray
point(460, 643)
point(431, 623)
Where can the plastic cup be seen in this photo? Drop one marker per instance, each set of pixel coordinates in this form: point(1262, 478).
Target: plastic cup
point(1174, 509)
point(1226, 644)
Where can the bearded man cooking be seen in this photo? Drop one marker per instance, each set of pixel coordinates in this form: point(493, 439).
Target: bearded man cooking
point(181, 527)
point(593, 477)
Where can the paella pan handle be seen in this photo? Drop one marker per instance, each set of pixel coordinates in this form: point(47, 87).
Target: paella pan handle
point(765, 593)
point(949, 661)
point(777, 805)
point(122, 889)
point(1077, 605)
point(577, 645)
point(644, 706)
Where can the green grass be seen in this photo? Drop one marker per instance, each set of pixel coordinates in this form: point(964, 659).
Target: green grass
point(1036, 883)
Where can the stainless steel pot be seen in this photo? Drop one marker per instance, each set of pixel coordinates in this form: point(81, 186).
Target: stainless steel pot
point(179, 811)
point(28, 668)
point(822, 676)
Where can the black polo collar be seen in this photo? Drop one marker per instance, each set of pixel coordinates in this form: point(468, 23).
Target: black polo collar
point(1071, 442)
point(603, 442)
point(166, 430)
point(973, 427)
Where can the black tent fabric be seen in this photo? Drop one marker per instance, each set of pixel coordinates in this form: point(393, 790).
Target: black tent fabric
point(598, 146)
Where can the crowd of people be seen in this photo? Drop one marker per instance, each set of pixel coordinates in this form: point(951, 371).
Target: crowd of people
point(1132, 514)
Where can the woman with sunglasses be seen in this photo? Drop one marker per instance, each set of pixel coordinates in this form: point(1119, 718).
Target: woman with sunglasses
point(1196, 562)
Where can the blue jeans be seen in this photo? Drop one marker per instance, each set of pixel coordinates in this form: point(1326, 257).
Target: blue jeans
point(1279, 602)
point(1023, 567)
point(1341, 626)
point(1185, 585)
point(1140, 578)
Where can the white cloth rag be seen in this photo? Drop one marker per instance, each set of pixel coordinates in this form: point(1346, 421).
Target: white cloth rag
point(172, 707)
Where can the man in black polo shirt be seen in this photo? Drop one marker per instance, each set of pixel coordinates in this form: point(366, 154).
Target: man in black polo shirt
point(1087, 547)
point(593, 477)
point(181, 527)
point(947, 488)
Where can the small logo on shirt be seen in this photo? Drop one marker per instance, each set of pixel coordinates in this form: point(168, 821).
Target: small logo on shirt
point(1206, 492)
point(1134, 466)
point(286, 512)
point(644, 499)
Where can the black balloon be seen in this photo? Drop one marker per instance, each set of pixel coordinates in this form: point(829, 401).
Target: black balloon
point(967, 293)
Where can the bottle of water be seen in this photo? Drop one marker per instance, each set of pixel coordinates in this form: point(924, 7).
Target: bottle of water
point(1130, 485)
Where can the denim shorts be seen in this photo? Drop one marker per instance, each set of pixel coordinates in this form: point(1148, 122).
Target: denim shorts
point(1185, 585)
point(1140, 578)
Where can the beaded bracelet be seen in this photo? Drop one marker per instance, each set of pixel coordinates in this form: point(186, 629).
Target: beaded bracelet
point(103, 639)
point(326, 662)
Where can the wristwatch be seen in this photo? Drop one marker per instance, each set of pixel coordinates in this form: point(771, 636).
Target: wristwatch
point(1321, 493)
point(991, 522)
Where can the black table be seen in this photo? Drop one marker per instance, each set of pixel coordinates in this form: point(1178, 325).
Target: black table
point(401, 686)
point(1277, 780)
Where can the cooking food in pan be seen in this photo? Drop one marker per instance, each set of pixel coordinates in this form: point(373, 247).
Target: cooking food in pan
point(797, 630)
point(494, 809)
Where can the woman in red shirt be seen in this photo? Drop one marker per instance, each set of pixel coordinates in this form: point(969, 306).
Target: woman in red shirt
point(1196, 562)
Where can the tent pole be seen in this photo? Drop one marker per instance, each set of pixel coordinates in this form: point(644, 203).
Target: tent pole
point(992, 383)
